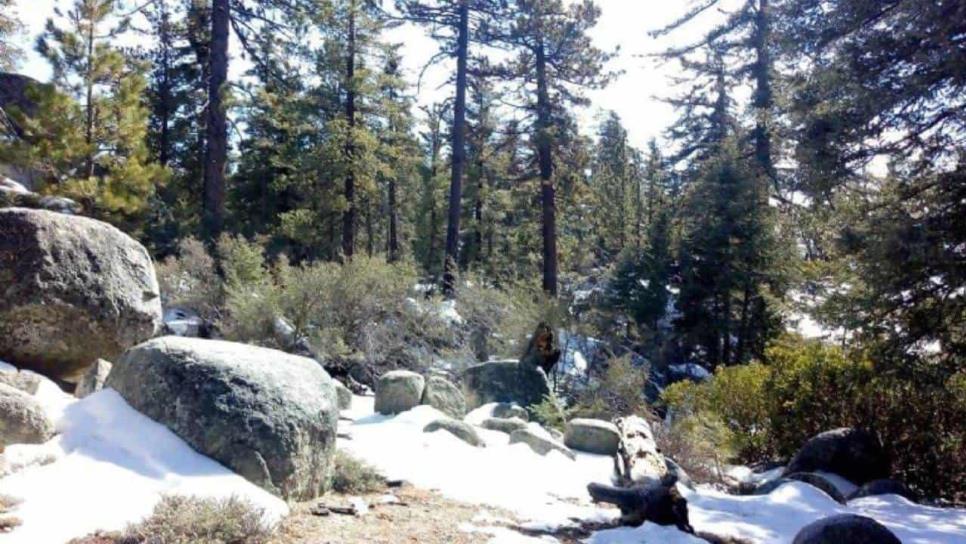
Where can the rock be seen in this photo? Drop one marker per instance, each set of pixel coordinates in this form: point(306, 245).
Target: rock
point(845, 528)
point(16, 195)
point(592, 436)
point(883, 487)
point(504, 425)
point(508, 410)
point(22, 419)
point(504, 381)
point(23, 380)
point(93, 380)
point(459, 429)
point(444, 396)
point(72, 290)
point(185, 322)
point(851, 453)
point(639, 460)
point(540, 442)
point(268, 415)
point(542, 351)
point(398, 391)
point(343, 394)
point(820, 482)
point(678, 473)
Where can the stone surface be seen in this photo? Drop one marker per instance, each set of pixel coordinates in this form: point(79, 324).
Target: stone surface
point(845, 529)
point(820, 482)
point(343, 394)
point(72, 290)
point(441, 394)
point(851, 453)
point(540, 442)
point(592, 436)
point(504, 425)
point(509, 410)
point(883, 487)
point(398, 391)
point(268, 415)
point(459, 429)
point(23, 380)
point(93, 379)
point(22, 419)
point(504, 381)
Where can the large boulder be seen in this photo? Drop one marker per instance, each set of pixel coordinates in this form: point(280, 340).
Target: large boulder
point(845, 528)
point(504, 381)
point(883, 487)
point(592, 436)
point(539, 441)
point(459, 429)
point(268, 415)
point(93, 379)
point(72, 290)
point(444, 396)
point(398, 391)
point(22, 419)
point(854, 454)
point(343, 394)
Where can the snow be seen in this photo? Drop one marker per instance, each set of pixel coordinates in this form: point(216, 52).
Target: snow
point(546, 493)
point(691, 370)
point(543, 491)
point(7, 367)
point(108, 466)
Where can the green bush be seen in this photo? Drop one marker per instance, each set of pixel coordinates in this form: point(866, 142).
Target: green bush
point(191, 280)
point(349, 475)
point(806, 387)
point(192, 520)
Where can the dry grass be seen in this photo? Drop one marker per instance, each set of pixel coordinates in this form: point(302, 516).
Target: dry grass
point(351, 476)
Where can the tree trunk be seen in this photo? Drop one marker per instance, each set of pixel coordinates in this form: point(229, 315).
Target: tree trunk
point(349, 215)
point(393, 244)
point(216, 132)
point(370, 230)
point(164, 116)
point(459, 155)
point(547, 190)
point(763, 93)
point(89, 107)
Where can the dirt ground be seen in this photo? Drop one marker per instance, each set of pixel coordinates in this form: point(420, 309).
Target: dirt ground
point(421, 516)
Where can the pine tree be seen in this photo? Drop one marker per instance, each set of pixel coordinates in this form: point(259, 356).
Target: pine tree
point(106, 163)
point(555, 53)
point(616, 187)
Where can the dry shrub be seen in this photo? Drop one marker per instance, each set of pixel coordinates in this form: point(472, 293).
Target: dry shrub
point(192, 520)
point(349, 475)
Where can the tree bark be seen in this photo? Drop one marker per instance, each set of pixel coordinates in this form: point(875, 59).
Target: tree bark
point(459, 155)
point(216, 132)
point(349, 215)
point(547, 189)
point(393, 244)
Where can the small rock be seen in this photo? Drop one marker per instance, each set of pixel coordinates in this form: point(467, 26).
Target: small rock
point(398, 391)
point(540, 442)
point(845, 528)
point(444, 396)
point(507, 410)
point(93, 379)
point(592, 436)
point(504, 425)
point(883, 487)
point(344, 395)
point(459, 429)
point(22, 419)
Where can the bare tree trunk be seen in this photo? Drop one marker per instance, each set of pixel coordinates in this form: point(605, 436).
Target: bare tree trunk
point(547, 190)
point(393, 244)
point(349, 215)
point(459, 155)
point(89, 107)
point(216, 133)
point(370, 230)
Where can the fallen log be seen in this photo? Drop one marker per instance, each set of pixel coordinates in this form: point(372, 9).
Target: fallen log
point(661, 504)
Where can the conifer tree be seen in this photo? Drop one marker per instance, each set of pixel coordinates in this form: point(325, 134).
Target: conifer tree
point(103, 157)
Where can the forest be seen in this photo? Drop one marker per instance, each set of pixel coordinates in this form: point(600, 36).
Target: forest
point(796, 238)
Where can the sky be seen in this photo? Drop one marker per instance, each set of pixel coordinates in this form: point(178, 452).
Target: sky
point(635, 94)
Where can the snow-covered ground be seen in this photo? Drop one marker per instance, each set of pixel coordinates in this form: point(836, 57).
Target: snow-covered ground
point(550, 492)
point(108, 466)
